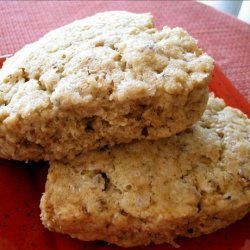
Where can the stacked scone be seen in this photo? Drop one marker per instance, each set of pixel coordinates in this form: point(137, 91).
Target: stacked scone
point(117, 108)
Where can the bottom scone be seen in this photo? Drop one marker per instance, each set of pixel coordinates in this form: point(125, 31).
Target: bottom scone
point(191, 184)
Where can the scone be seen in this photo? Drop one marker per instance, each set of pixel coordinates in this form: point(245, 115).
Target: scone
point(153, 191)
point(103, 80)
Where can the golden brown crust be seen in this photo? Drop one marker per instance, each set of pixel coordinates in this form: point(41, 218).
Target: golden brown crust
point(153, 191)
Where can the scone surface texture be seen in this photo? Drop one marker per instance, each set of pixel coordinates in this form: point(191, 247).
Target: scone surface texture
point(103, 80)
point(187, 185)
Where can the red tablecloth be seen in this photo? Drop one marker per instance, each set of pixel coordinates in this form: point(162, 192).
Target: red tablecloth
point(222, 36)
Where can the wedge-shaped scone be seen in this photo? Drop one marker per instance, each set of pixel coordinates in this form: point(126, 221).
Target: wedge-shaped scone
point(153, 191)
point(106, 79)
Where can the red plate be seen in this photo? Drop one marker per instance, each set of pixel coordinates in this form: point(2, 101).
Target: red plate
point(21, 186)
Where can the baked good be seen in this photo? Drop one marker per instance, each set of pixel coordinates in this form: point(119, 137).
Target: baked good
point(153, 191)
point(103, 80)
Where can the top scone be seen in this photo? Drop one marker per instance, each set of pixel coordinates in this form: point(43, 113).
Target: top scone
point(106, 79)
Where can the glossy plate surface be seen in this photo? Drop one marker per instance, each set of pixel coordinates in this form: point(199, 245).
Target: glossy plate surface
point(21, 186)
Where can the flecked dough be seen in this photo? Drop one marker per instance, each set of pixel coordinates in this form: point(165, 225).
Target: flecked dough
point(154, 191)
point(103, 80)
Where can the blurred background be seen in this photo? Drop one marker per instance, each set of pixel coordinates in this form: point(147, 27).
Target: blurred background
point(237, 8)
